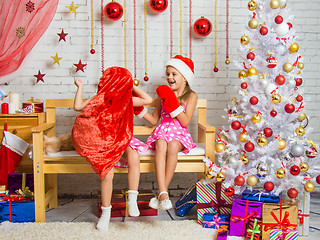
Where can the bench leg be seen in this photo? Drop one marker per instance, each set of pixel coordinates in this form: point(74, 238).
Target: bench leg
point(51, 186)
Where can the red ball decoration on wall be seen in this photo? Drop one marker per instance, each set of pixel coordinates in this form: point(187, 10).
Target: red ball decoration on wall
point(235, 125)
point(292, 193)
point(278, 19)
point(239, 180)
point(295, 170)
point(289, 108)
point(158, 6)
point(263, 31)
point(244, 85)
point(216, 69)
point(251, 56)
point(202, 27)
point(229, 191)
point(273, 113)
point(269, 186)
point(267, 132)
point(249, 146)
point(146, 79)
point(280, 80)
point(92, 51)
point(318, 179)
point(298, 81)
point(299, 98)
point(113, 11)
point(254, 100)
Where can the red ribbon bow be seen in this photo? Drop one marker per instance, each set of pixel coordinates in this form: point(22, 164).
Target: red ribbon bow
point(220, 140)
point(302, 216)
point(11, 199)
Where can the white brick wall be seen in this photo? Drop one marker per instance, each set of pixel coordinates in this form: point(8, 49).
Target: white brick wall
point(218, 88)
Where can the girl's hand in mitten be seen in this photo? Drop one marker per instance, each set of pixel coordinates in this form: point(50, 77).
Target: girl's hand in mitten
point(139, 111)
point(170, 101)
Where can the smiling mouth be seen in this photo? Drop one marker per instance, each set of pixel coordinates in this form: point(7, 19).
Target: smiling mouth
point(171, 82)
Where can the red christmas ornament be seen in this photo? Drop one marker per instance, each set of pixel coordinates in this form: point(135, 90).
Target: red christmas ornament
point(289, 108)
point(272, 62)
point(318, 179)
point(299, 98)
point(269, 186)
point(263, 31)
point(235, 125)
point(113, 11)
point(298, 81)
point(202, 27)
point(292, 193)
point(244, 85)
point(92, 51)
point(39, 76)
point(249, 146)
point(278, 19)
point(295, 170)
point(215, 69)
point(80, 66)
point(311, 152)
point(158, 6)
point(62, 35)
point(254, 100)
point(280, 80)
point(273, 113)
point(251, 56)
point(229, 191)
point(267, 132)
point(146, 79)
point(239, 180)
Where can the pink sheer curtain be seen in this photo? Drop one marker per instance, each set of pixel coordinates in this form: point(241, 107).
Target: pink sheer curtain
point(22, 23)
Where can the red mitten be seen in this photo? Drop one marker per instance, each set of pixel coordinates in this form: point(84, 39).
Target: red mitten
point(139, 111)
point(170, 101)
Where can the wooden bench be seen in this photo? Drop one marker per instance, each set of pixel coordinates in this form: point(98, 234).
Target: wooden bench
point(46, 168)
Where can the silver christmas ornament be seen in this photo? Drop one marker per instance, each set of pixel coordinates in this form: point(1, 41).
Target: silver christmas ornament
point(264, 83)
point(281, 49)
point(260, 8)
point(297, 150)
point(262, 169)
point(292, 83)
point(232, 161)
point(282, 29)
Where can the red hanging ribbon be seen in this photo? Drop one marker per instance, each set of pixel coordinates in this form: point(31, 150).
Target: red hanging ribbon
point(296, 62)
point(254, 15)
point(272, 92)
point(244, 128)
point(300, 107)
point(11, 199)
point(302, 216)
point(220, 140)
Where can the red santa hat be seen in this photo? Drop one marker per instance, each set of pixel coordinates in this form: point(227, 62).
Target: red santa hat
point(184, 65)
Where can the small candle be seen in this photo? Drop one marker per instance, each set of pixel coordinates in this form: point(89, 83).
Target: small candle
point(4, 108)
point(12, 108)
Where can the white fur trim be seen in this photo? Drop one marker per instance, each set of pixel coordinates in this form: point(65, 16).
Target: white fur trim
point(14, 143)
point(176, 112)
point(182, 68)
point(144, 111)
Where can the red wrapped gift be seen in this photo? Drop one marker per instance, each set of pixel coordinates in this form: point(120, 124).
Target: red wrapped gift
point(253, 229)
point(119, 206)
point(32, 106)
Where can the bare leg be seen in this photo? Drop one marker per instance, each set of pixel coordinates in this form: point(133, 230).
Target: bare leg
point(160, 164)
point(134, 168)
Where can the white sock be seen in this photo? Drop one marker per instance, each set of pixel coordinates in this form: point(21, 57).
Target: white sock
point(103, 223)
point(132, 203)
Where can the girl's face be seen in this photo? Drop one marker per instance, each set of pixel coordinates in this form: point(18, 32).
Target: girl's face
point(175, 79)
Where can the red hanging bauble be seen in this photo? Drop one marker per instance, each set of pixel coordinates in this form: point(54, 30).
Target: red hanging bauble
point(249, 146)
point(254, 100)
point(113, 11)
point(269, 186)
point(311, 152)
point(299, 98)
point(280, 80)
point(292, 193)
point(216, 69)
point(158, 6)
point(251, 56)
point(202, 27)
point(229, 191)
point(263, 30)
point(289, 108)
point(244, 85)
point(267, 132)
point(295, 170)
point(298, 81)
point(92, 51)
point(146, 79)
point(239, 180)
point(318, 179)
point(235, 125)
point(272, 62)
point(278, 19)
point(273, 113)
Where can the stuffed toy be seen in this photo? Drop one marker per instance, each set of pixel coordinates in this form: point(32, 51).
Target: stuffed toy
point(170, 101)
point(57, 144)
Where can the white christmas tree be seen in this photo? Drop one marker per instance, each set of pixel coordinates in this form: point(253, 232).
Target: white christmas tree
point(265, 143)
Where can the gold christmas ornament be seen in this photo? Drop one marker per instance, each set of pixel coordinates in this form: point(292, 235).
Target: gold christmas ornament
point(281, 173)
point(252, 71)
point(300, 65)
point(220, 147)
point(244, 40)
point(276, 98)
point(244, 159)
point(136, 82)
point(256, 118)
point(262, 141)
point(309, 187)
point(287, 67)
point(252, 5)
point(304, 166)
point(294, 48)
point(243, 137)
point(227, 61)
point(252, 181)
point(300, 131)
point(302, 116)
point(242, 74)
point(253, 23)
point(282, 144)
point(223, 137)
point(274, 4)
point(220, 176)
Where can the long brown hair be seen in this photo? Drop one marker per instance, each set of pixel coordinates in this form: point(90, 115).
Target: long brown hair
point(186, 94)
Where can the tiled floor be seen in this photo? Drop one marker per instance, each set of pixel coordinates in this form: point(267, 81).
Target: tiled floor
point(86, 210)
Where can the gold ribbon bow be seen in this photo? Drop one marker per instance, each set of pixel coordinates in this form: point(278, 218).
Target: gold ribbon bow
point(24, 191)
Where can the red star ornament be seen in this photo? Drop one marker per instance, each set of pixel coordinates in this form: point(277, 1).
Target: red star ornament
point(62, 35)
point(80, 66)
point(39, 76)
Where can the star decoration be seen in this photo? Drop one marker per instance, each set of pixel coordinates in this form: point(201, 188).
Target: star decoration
point(20, 32)
point(72, 8)
point(39, 76)
point(80, 66)
point(62, 35)
point(56, 59)
point(30, 7)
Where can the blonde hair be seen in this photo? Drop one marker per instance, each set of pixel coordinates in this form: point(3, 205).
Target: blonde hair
point(186, 94)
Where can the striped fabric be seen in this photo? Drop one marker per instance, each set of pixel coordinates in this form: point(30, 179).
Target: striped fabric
point(291, 235)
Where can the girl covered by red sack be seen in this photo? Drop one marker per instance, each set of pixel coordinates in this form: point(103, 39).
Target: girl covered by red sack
point(174, 107)
point(103, 129)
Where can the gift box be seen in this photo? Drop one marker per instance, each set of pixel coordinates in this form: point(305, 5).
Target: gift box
point(21, 183)
point(242, 212)
point(215, 221)
point(278, 216)
point(222, 233)
point(187, 201)
point(32, 106)
point(16, 210)
point(253, 230)
point(211, 198)
point(119, 203)
point(278, 234)
point(256, 195)
point(304, 214)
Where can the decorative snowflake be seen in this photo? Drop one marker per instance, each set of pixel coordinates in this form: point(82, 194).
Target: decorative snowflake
point(20, 32)
point(29, 7)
